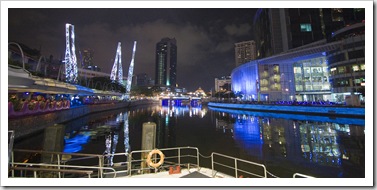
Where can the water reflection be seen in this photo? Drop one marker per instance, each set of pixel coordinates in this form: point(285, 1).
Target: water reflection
point(307, 142)
point(108, 129)
point(273, 139)
point(175, 111)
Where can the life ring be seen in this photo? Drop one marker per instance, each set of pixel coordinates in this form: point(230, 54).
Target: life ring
point(149, 158)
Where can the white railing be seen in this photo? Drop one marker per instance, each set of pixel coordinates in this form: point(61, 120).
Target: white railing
point(298, 175)
point(57, 162)
point(225, 163)
point(10, 144)
point(133, 163)
point(178, 156)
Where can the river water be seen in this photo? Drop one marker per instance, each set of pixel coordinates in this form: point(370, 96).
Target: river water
point(285, 143)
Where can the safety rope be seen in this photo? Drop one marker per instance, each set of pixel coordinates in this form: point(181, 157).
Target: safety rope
point(205, 156)
point(272, 174)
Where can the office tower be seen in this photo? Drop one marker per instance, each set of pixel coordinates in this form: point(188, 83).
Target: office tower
point(280, 30)
point(311, 55)
point(244, 52)
point(166, 62)
point(223, 84)
point(87, 60)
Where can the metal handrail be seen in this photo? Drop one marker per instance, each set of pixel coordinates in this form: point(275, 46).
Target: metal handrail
point(302, 175)
point(236, 169)
point(61, 163)
point(179, 156)
point(10, 144)
point(31, 165)
point(130, 160)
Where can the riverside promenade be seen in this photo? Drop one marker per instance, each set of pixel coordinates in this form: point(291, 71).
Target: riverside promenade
point(29, 124)
point(324, 110)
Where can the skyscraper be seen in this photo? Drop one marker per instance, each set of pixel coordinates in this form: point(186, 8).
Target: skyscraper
point(245, 52)
point(280, 30)
point(166, 62)
point(87, 57)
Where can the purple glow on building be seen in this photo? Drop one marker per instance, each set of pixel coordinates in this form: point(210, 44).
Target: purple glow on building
point(244, 80)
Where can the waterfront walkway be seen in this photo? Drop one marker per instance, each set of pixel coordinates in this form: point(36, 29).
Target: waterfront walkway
point(307, 109)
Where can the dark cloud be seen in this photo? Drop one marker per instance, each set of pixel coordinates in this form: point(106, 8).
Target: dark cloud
point(234, 30)
point(205, 37)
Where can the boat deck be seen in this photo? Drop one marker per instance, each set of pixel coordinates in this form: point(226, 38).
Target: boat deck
point(185, 173)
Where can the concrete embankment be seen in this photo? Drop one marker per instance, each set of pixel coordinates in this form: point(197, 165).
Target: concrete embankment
point(27, 125)
point(336, 111)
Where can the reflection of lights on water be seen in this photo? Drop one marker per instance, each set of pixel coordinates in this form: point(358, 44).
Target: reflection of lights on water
point(126, 134)
point(75, 144)
point(108, 143)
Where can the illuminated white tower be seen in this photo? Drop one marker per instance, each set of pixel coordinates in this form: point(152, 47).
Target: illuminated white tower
point(117, 64)
point(130, 72)
point(70, 55)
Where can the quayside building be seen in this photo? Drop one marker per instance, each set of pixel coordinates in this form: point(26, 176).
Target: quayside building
point(313, 69)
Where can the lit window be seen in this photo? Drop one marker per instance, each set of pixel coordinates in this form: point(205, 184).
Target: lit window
point(306, 27)
point(342, 70)
point(362, 67)
point(355, 68)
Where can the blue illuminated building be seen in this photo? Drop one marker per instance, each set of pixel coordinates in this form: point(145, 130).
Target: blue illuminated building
point(299, 75)
point(244, 80)
point(325, 66)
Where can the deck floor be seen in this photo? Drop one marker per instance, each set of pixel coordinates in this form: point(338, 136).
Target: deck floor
point(185, 173)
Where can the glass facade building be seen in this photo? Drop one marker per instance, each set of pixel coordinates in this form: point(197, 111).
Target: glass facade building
point(312, 75)
point(320, 56)
point(278, 30)
point(166, 62)
point(347, 63)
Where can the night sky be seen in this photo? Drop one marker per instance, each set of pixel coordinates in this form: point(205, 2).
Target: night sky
point(205, 37)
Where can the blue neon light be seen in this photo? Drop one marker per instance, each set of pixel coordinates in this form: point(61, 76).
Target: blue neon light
point(339, 120)
point(75, 144)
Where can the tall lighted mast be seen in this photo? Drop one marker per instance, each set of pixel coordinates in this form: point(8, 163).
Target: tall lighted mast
point(130, 72)
point(70, 55)
point(117, 63)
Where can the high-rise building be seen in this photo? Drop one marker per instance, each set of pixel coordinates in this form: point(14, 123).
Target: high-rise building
point(266, 28)
point(223, 84)
point(87, 57)
point(244, 52)
point(280, 30)
point(166, 62)
point(347, 62)
point(306, 55)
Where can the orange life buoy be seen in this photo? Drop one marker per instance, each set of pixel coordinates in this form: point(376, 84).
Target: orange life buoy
point(149, 158)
